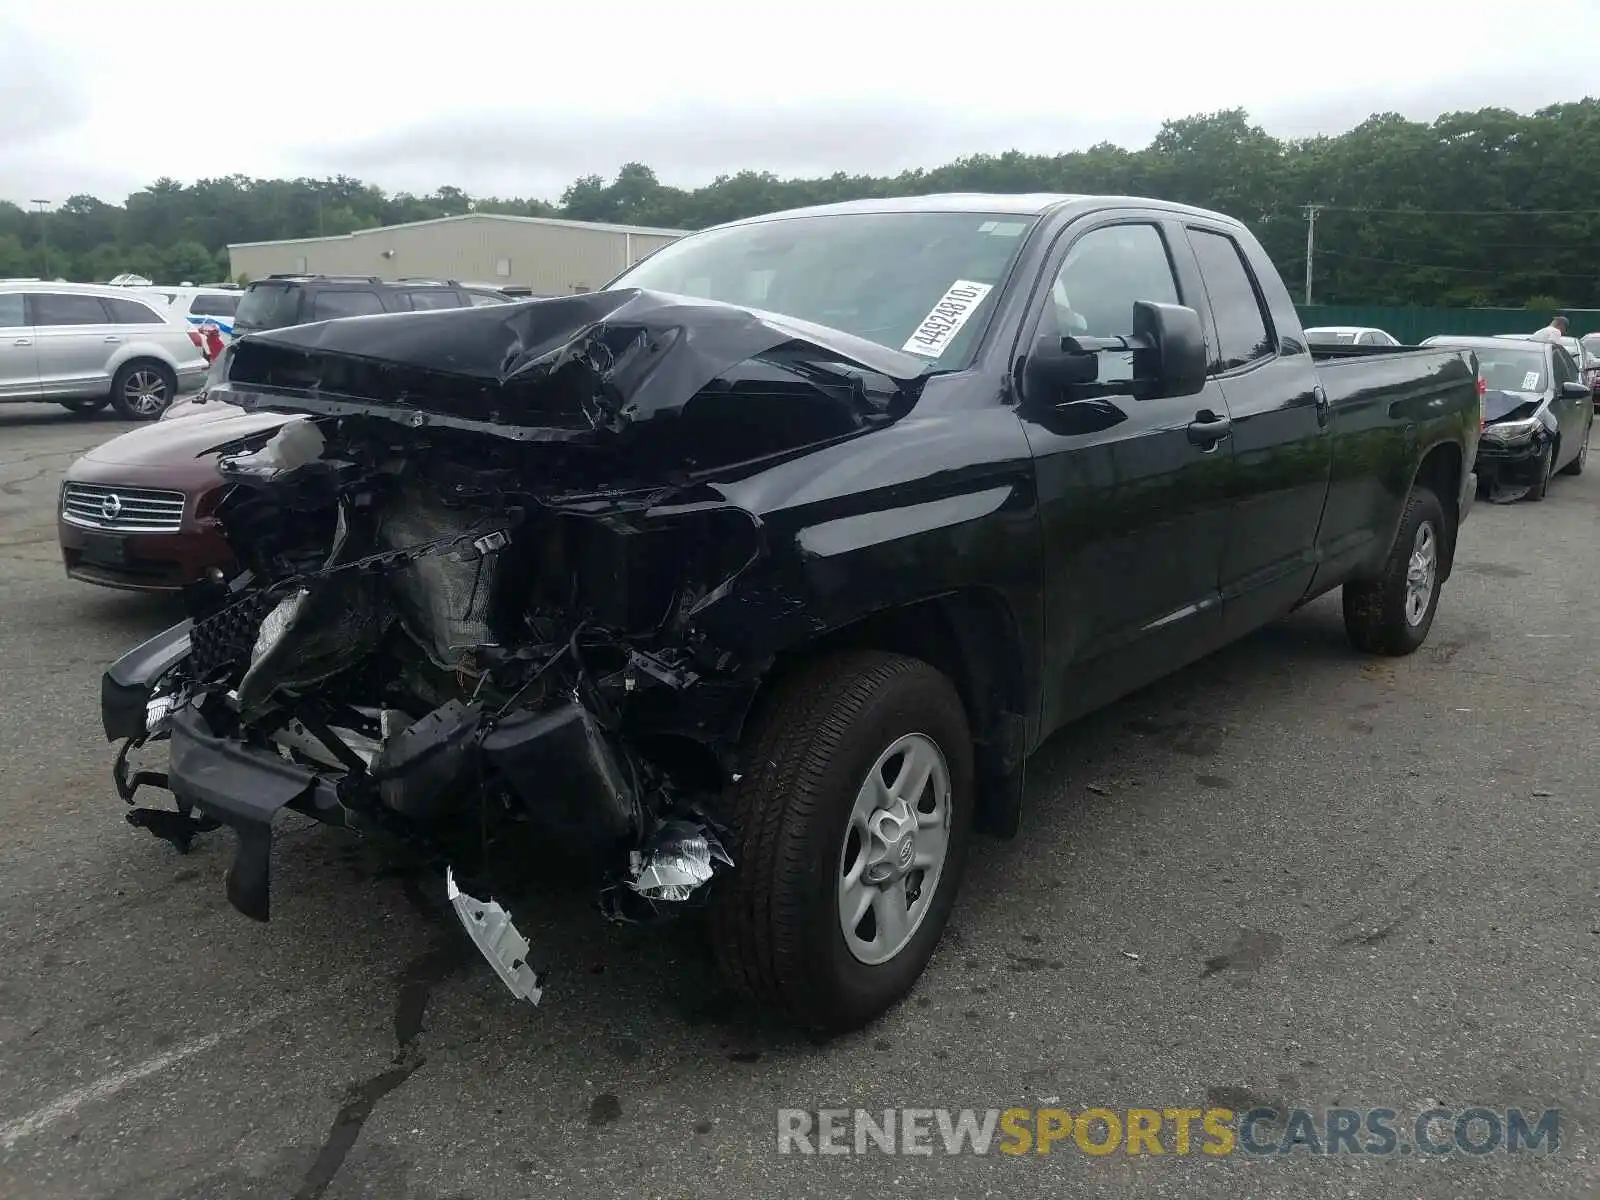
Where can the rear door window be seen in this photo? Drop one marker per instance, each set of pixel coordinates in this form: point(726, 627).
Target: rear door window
point(12, 314)
point(57, 308)
point(1244, 334)
point(131, 312)
point(326, 306)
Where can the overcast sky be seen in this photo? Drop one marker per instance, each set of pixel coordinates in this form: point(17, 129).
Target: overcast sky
point(519, 98)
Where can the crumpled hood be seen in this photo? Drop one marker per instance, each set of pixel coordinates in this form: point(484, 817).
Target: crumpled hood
point(1497, 405)
point(600, 360)
point(187, 437)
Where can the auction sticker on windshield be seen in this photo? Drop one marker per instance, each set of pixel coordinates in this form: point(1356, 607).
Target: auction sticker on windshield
point(954, 309)
point(1530, 381)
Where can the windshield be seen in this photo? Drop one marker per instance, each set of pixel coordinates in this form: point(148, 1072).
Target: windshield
point(918, 282)
point(1329, 337)
point(1512, 369)
point(267, 306)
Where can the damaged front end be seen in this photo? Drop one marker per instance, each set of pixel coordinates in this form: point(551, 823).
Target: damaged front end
point(1515, 450)
point(474, 566)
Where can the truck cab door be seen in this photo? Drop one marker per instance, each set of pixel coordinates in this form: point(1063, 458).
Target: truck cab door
point(1133, 494)
point(1282, 444)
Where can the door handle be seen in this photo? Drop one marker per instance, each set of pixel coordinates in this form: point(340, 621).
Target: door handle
point(1324, 411)
point(111, 337)
point(23, 342)
point(1207, 429)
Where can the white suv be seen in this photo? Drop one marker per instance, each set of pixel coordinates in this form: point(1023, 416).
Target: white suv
point(84, 346)
point(201, 306)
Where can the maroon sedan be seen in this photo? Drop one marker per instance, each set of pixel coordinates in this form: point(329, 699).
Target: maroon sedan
point(136, 513)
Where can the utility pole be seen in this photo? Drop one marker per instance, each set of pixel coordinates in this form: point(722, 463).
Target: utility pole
point(1311, 241)
point(44, 233)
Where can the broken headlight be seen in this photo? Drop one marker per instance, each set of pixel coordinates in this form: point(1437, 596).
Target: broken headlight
point(277, 623)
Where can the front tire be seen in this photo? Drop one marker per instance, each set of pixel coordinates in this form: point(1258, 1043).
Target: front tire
point(142, 390)
point(1541, 488)
point(1393, 613)
point(852, 821)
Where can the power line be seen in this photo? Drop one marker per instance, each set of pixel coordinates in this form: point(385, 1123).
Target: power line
point(1416, 266)
point(1467, 212)
point(1554, 247)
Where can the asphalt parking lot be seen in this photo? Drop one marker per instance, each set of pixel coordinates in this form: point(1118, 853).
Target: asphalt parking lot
point(1287, 876)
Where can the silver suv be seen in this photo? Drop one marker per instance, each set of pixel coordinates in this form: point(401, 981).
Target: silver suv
point(84, 346)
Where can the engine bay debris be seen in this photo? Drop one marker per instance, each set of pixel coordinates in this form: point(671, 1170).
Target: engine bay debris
point(504, 948)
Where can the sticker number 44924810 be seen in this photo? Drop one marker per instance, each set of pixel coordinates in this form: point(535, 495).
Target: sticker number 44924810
point(954, 309)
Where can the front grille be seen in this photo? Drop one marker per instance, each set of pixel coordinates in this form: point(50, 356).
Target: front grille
point(122, 510)
point(222, 641)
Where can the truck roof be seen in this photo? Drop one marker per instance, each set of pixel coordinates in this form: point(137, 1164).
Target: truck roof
point(1030, 204)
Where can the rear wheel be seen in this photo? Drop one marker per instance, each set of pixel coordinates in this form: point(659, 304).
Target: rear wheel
point(84, 407)
point(852, 822)
point(1393, 613)
point(141, 391)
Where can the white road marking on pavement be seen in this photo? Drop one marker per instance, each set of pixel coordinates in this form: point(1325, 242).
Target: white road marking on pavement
point(107, 1086)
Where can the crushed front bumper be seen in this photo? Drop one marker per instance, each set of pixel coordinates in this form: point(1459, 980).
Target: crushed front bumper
point(244, 788)
point(558, 764)
point(1513, 465)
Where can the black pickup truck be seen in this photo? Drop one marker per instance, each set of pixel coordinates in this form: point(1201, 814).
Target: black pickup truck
point(754, 578)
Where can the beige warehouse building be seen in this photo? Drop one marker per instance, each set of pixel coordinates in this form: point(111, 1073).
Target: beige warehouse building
point(550, 256)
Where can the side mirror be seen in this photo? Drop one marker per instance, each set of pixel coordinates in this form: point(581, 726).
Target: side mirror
point(1178, 346)
point(1169, 359)
point(1575, 391)
point(1052, 373)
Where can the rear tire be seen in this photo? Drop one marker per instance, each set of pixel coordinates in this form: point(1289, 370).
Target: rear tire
point(1393, 613)
point(142, 390)
point(83, 408)
point(814, 761)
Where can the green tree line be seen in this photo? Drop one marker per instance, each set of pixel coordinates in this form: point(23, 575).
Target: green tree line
point(1476, 208)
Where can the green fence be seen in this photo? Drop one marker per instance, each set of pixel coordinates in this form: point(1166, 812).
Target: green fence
point(1411, 325)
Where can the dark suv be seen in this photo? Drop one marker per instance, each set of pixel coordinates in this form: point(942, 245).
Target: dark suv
point(281, 300)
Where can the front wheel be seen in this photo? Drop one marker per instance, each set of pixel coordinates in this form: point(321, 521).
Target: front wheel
point(1393, 613)
point(1542, 473)
point(141, 391)
point(852, 821)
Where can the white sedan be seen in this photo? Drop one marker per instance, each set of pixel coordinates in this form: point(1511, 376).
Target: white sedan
point(1349, 335)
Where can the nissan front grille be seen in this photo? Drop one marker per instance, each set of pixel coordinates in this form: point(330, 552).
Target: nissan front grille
point(121, 510)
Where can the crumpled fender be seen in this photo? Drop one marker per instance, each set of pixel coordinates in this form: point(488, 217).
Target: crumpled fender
point(854, 528)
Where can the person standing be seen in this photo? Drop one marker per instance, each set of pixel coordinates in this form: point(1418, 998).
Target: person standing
point(1555, 332)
